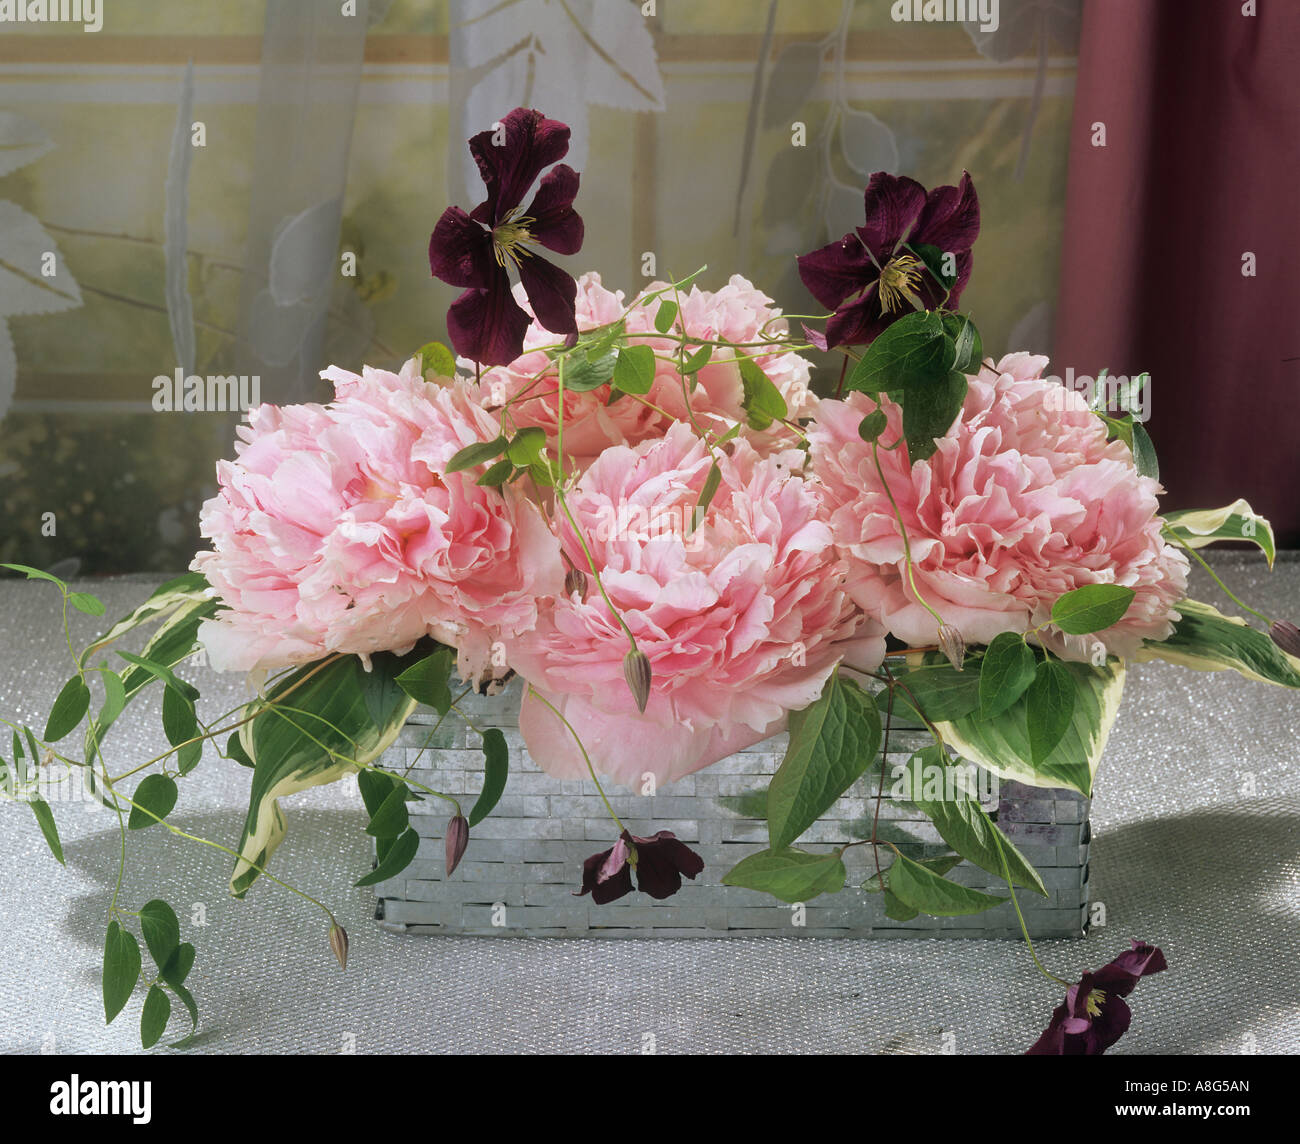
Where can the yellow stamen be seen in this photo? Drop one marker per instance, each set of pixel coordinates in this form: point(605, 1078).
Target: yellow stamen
point(1093, 1005)
point(898, 281)
point(511, 236)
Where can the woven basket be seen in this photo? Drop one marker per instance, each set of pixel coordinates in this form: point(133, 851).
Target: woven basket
point(524, 861)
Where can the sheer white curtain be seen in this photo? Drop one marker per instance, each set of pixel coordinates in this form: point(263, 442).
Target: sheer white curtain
point(312, 56)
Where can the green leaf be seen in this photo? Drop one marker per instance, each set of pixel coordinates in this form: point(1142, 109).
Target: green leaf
point(397, 859)
point(475, 454)
point(1195, 528)
point(925, 891)
point(763, 402)
point(698, 360)
point(543, 474)
point(121, 969)
point(968, 346)
point(343, 715)
point(929, 411)
point(153, 1019)
point(375, 787)
point(873, 425)
point(790, 875)
point(235, 750)
point(932, 256)
point(911, 353)
point(392, 817)
point(942, 691)
point(160, 671)
point(178, 966)
point(84, 602)
point(35, 574)
point(496, 769)
point(157, 794)
point(45, 820)
point(707, 493)
point(187, 757)
point(940, 866)
point(581, 375)
point(1006, 671)
point(114, 695)
point(428, 681)
point(898, 910)
point(1206, 640)
point(496, 474)
point(1049, 708)
point(1001, 744)
point(187, 999)
point(597, 343)
point(161, 929)
point(665, 316)
point(1144, 452)
point(34, 752)
point(1092, 608)
point(634, 371)
point(437, 357)
point(179, 721)
point(961, 821)
point(69, 709)
point(832, 743)
point(527, 444)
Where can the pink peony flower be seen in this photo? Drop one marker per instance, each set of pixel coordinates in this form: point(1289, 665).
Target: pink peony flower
point(742, 619)
point(335, 531)
point(1024, 500)
point(738, 312)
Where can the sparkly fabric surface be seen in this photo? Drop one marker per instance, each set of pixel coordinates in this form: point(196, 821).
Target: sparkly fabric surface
point(1196, 825)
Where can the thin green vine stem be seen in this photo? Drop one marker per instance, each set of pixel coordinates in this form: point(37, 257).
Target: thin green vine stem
point(1214, 576)
point(585, 757)
point(1024, 929)
point(179, 833)
point(434, 729)
point(907, 545)
point(577, 532)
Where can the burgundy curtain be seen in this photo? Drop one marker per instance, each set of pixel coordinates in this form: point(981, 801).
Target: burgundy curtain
point(1200, 104)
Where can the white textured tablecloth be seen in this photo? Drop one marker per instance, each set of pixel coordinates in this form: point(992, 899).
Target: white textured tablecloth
point(1196, 848)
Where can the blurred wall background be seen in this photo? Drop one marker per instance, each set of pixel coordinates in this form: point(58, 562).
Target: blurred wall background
point(327, 131)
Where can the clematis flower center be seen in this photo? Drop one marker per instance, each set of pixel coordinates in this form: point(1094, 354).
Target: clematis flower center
point(1092, 1006)
point(899, 278)
point(510, 237)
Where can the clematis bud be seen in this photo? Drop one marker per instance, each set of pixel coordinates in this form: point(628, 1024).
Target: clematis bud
point(1287, 636)
point(575, 580)
point(636, 670)
point(339, 944)
point(457, 839)
point(952, 645)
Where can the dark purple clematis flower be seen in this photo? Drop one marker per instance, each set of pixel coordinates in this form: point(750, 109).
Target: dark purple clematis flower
point(659, 862)
point(871, 278)
point(1094, 1015)
point(475, 250)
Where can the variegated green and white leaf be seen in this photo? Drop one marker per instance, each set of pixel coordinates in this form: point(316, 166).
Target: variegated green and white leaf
point(1206, 640)
point(1001, 744)
point(182, 604)
point(190, 588)
point(173, 642)
point(1195, 528)
point(328, 720)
